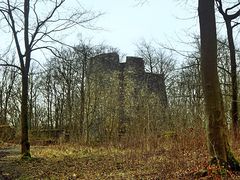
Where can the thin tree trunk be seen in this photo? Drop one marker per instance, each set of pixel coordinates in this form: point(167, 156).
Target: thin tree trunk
point(229, 18)
point(82, 105)
point(31, 105)
point(233, 78)
point(1, 107)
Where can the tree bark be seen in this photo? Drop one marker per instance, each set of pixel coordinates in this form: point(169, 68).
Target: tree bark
point(218, 144)
point(25, 146)
point(82, 95)
point(233, 78)
point(228, 18)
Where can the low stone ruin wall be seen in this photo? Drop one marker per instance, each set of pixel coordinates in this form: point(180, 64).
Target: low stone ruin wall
point(7, 133)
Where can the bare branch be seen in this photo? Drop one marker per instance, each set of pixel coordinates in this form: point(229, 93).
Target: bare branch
point(5, 63)
point(232, 7)
point(42, 23)
point(140, 2)
point(226, 16)
point(13, 28)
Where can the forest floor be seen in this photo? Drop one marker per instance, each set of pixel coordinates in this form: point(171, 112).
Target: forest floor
point(172, 157)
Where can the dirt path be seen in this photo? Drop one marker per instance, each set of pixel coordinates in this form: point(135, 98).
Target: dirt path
point(8, 164)
point(9, 150)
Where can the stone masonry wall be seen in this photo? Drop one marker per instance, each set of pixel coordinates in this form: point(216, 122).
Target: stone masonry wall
point(117, 89)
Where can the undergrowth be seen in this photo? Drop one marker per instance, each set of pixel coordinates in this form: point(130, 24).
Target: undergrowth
point(181, 156)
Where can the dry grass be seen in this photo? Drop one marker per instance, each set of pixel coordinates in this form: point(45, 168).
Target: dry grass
point(167, 157)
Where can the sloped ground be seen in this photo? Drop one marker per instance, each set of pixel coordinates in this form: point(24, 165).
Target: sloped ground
point(178, 157)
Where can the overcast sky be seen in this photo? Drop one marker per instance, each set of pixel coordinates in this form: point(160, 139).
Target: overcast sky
point(125, 23)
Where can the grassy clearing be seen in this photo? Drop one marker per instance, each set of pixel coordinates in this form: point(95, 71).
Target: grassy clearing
point(177, 157)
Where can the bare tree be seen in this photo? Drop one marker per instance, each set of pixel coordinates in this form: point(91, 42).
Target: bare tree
point(155, 58)
point(7, 82)
point(148, 53)
point(229, 18)
point(83, 52)
point(33, 28)
point(217, 129)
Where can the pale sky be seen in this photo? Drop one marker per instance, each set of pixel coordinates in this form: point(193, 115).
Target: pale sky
point(125, 23)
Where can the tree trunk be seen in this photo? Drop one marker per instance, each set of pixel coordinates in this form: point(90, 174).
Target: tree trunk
point(1, 107)
point(218, 144)
point(82, 98)
point(233, 78)
point(30, 121)
point(25, 146)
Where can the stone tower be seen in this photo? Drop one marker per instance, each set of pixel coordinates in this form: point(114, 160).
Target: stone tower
point(118, 89)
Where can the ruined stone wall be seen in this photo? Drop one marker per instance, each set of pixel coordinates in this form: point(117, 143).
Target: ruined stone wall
point(155, 83)
point(118, 91)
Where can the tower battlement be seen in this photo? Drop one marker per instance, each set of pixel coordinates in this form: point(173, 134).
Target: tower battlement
point(135, 64)
point(134, 67)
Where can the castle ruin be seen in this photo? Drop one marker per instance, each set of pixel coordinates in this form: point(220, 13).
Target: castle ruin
point(120, 94)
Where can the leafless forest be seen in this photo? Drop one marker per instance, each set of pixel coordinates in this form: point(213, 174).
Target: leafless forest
point(90, 112)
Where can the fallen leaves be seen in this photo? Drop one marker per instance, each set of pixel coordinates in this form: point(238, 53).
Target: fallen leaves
point(170, 160)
